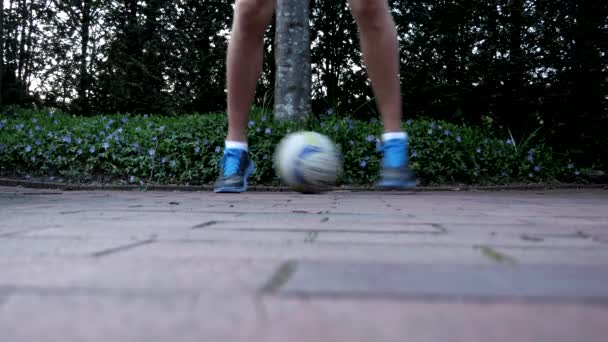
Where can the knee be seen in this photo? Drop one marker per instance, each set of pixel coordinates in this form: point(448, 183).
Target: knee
point(253, 16)
point(369, 12)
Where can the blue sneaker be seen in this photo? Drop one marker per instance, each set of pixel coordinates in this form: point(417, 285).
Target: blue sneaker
point(235, 169)
point(395, 173)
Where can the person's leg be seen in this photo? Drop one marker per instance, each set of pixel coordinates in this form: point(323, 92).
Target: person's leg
point(379, 44)
point(244, 65)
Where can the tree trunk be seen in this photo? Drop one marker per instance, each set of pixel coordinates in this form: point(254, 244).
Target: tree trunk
point(24, 19)
point(1, 49)
point(28, 55)
point(85, 22)
point(29, 63)
point(292, 55)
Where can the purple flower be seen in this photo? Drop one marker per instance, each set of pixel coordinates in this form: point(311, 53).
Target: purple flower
point(409, 122)
point(2, 147)
point(330, 111)
point(110, 122)
point(537, 168)
point(131, 179)
point(92, 149)
point(264, 118)
point(51, 114)
point(145, 116)
point(1, 125)
point(458, 138)
point(197, 150)
point(19, 127)
point(106, 145)
point(37, 128)
point(336, 127)
point(135, 146)
point(67, 139)
point(268, 131)
point(351, 142)
point(28, 148)
point(378, 145)
point(531, 158)
point(251, 123)
point(432, 125)
point(363, 163)
point(152, 152)
point(161, 128)
point(107, 127)
point(440, 141)
point(34, 120)
point(79, 141)
point(509, 142)
point(124, 120)
point(120, 130)
point(447, 132)
point(258, 130)
point(370, 138)
point(56, 122)
point(351, 124)
point(218, 149)
point(163, 160)
point(577, 173)
point(30, 134)
point(79, 152)
point(414, 154)
point(116, 138)
point(478, 150)
point(504, 174)
point(38, 143)
point(154, 138)
point(205, 142)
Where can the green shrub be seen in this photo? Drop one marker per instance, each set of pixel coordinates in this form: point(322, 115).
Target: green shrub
point(187, 149)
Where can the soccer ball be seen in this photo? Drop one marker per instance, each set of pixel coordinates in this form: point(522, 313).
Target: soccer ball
point(309, 162)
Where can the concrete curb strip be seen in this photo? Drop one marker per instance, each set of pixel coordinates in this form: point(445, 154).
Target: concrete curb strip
point(261, 188)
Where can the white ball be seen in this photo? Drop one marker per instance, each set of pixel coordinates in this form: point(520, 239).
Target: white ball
point(309, 162)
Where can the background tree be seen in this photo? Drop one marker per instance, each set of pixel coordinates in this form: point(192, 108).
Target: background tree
point(526, 66)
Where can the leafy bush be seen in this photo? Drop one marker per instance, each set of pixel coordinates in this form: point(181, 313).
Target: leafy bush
point(187, 149)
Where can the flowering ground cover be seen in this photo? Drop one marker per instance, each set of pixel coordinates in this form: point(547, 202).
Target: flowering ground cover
point(138, 149)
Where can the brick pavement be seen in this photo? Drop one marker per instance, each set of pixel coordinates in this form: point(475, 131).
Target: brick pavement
point(154, 266)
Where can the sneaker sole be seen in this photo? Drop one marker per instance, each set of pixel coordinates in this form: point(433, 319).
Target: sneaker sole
point(235, 189)
point(397, 185)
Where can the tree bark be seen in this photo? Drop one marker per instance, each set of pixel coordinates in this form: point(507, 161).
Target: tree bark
point(1, 49)
point(24, 20)
point(292, 56)
point(84, 43)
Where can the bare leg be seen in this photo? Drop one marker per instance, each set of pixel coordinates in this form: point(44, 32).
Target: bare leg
point(244, 61)
point(379, 44)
